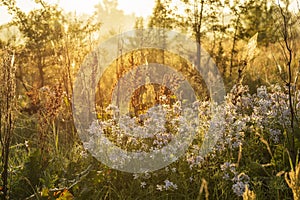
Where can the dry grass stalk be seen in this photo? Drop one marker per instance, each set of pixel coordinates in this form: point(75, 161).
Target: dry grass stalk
point(205, 188)
point(292, 178)
point(248, 194)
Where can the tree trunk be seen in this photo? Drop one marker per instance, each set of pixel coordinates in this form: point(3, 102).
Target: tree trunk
point(41, 71)
point(7, 98)
point(197, 30)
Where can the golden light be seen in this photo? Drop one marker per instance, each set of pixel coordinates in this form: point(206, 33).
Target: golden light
point(139, 8)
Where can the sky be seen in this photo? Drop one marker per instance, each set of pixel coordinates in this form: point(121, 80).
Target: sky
point(142, 8)
point(138, 7)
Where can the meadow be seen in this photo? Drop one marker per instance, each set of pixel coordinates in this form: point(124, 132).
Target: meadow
point(238, 141)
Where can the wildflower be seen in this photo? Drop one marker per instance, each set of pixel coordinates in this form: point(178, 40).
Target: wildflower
point(83, 154)
point(177, 107)
point(236, 144)
point(226, 176)
point(136, 176)
point(160, 187)
point(199, 159)
point(225, 166)
point(26, 143)
point(147, 175)
point(262, 91)
point(239, 188)
point(191, 179)
point(113, 110)
point(95, 129)
point(274, 135)
point(143, 184)
point(170, 185)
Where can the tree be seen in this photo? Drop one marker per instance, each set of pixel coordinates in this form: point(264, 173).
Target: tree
point(163, 20)
point(40, 27)
point(7, 113)
point(261, 17)
point(162, 15)
point(238, 31)
point(287, 43)
point(53, 45)
point(198, 19)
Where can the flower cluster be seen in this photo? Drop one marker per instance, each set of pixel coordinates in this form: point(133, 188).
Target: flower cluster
point(167, 186)
point(239, 180)
point(264, 114)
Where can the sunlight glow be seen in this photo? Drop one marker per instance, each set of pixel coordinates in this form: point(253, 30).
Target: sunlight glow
point(139, 8)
